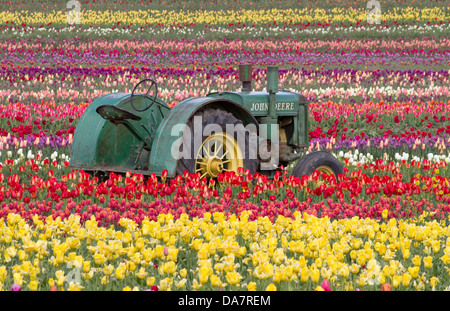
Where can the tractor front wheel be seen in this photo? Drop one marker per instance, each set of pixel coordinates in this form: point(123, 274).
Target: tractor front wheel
point(320, 161)
point(219, 151)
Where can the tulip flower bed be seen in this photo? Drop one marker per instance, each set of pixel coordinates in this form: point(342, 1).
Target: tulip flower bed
point(214, 252)
point(305, 22)
point(75, 232)
point(342, 70)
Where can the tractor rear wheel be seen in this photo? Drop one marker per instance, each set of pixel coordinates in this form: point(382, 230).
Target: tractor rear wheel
point(320, 161)
point(219, 151)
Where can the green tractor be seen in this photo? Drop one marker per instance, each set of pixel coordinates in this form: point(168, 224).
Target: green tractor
point(223, 131)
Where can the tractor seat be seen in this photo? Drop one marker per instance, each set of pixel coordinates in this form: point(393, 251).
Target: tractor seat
point(115, 114)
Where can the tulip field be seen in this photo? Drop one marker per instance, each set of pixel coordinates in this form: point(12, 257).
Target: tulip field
point(379, 100)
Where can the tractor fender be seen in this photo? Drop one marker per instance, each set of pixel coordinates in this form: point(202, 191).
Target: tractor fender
point(88, 130)
point(99, 145)
point(161, 157)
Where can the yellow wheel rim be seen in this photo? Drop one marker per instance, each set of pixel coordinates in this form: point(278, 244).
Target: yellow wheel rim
point(218, 153)
point(325, 169)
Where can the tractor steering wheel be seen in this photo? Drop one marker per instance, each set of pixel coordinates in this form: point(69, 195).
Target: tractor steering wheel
point(152, 98)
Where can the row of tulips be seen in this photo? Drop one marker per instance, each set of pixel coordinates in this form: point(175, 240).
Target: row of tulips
point(217, 252)
point(232, 30)
point(287, 16)
point(379, 128)
point(37, 185)
point(360, 124)
point(189, 5)
point(74, 84)
point(330, 52)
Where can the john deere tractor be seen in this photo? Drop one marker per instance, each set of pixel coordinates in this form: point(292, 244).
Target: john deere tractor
point(220, 132)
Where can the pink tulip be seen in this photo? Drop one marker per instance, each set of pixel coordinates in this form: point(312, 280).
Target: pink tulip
point(326, 286)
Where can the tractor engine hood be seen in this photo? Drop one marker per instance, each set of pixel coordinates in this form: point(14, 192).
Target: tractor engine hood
point(257, 103)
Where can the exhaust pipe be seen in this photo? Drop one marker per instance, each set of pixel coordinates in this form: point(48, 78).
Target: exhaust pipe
point(272, 88)
point(245, 75)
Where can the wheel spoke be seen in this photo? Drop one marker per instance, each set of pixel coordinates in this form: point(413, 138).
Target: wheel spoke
point(199, 169)
point(206, 152)
point(204, 175)
point(217, 150)
point(223, 156)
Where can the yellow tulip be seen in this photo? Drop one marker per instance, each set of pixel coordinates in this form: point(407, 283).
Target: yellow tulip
point(108, 270)
point(289, 271)
point(406, 279)
point(271, 288)
point(279, 275)
point(354, 268)
point(405, 253)
point(120, 272)
point(396, 280)
point(385, 271)
point(172, 254)
point(428, 262)
point(3, 273)
point(203, 274)
point(142, 273)
point(416, 260)
point(22, 255)
point(183, 272)
point(131, 266)
point(233, 278)
point(433, 281)
point(159, 251)
point(215, 281)
point(315, 275)
point(169, 267)
point(75, 287)
point(356, 243)
point(361, 259)
point(60, 277)
point(150, 281)
point(88, 275)
point(445, 259)
point(362, 281)
point(139, 244)
point(104, 280)
point(11, 251)
point(436, 246)
point(59, 256)
point(196, 285)
point(99, 259)
point(344, 271)
point(33, 285)
point(414, 271)
point(305, 273)
point(180, 284)
point(251, 286)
